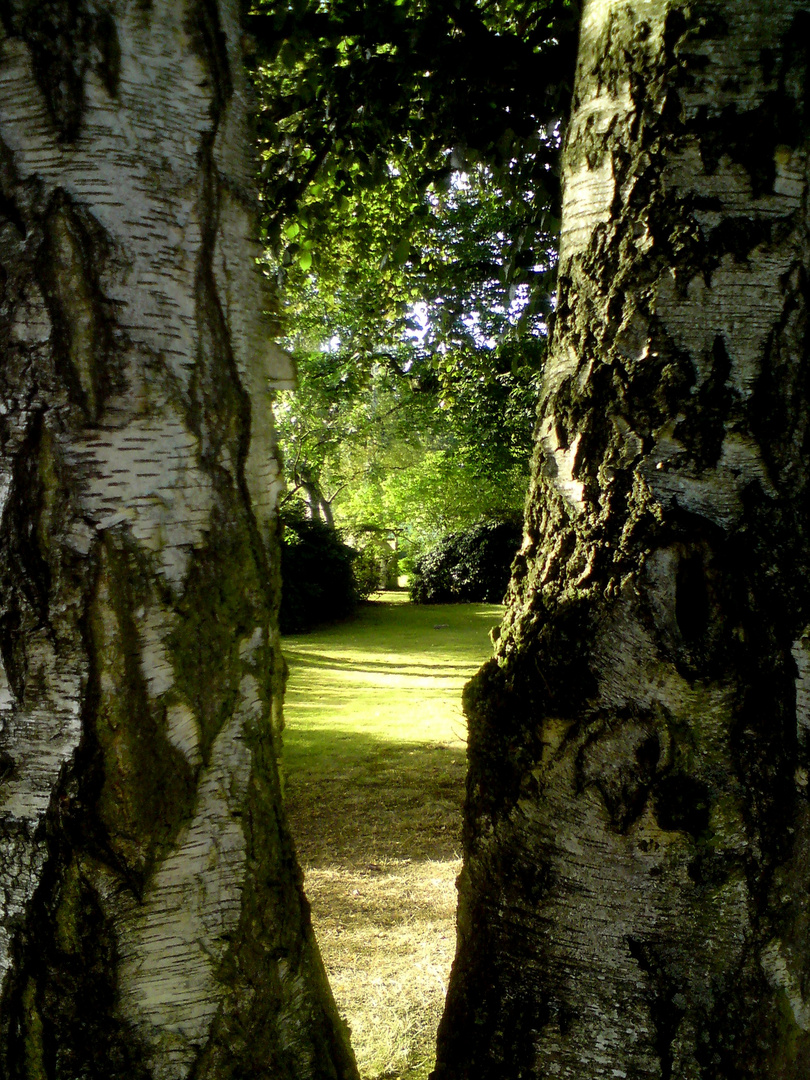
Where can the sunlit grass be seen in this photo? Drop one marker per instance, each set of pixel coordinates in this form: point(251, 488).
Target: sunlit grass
point(395, 674)
point(375, 760)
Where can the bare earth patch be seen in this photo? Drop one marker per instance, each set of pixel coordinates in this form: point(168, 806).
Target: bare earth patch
point(376, 814)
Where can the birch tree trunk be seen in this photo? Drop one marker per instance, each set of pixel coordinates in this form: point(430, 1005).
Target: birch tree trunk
point(635, 898)
point(152, 923)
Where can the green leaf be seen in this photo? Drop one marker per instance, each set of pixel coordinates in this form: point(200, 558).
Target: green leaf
point(305, 260)
point(401, 252)
point(287, 56)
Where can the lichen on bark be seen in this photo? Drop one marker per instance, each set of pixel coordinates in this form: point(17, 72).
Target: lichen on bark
point(152, 919)
point(633, 894)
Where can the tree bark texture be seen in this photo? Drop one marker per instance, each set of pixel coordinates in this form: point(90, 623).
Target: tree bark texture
point(152, 923)
point(634, 900)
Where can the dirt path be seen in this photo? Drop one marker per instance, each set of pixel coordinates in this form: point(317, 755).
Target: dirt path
point(374, 762)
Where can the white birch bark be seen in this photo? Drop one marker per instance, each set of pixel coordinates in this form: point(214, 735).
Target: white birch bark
point(634, 896)
point(151, 917)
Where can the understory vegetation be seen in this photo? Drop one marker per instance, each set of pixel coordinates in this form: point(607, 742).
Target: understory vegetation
point(325, 578)
point(374, 766)
point(468, 565)
point(322, 582)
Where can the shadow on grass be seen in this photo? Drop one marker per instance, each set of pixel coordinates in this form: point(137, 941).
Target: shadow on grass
point(362, 802)
point(424, 667)
point(376, 823)
point(375, 764)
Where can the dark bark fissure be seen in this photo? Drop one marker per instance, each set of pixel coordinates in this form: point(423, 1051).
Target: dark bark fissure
point(66, 39)
point(668, 1004)
point(71, 259)
point(27, 578)
point(59, 1012)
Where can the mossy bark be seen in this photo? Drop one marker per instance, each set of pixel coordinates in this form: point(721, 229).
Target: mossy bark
point(634, 898)
point(152, 921)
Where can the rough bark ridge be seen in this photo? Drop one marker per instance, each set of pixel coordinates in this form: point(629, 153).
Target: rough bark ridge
point(634, 899)
point(152, 924)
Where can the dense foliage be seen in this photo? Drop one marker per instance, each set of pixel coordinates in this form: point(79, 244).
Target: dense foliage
point(409, 175)
point(350, 87)
point(470, 565)
point(319, 582)
point(394, 455)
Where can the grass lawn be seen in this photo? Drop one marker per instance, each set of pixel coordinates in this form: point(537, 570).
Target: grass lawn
point(374, 765)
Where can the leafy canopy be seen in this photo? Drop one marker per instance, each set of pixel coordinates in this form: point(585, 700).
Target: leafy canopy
point(409, 178)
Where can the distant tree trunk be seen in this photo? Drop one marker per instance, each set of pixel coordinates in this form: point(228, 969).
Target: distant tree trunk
point(635, 898)
point(152, 923)
point(319, 507)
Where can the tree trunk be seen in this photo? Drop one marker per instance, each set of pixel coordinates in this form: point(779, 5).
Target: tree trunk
point(635, 895)
point(152, 923)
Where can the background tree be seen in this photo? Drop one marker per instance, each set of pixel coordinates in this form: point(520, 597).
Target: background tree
point(634, 894)
point(377, 448)
point(411, 230)
point(152, 922)
point(352, 88)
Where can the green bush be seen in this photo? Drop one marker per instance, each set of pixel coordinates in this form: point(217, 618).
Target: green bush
point(366, 568)
point(470, 565)
point(377, 565)
point(318, 584)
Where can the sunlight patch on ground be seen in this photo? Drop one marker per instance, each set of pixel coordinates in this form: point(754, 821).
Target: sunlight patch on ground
point(396, 672)
point(374, 765)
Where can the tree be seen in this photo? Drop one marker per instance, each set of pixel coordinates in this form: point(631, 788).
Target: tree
point(408, 359)
point(634, 898)
point(392, 447)
point(411, 231)
point(152, 922)
point(483, 79)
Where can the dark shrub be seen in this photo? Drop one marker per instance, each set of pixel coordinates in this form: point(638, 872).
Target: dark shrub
point(472, 564)
point(317, 580)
